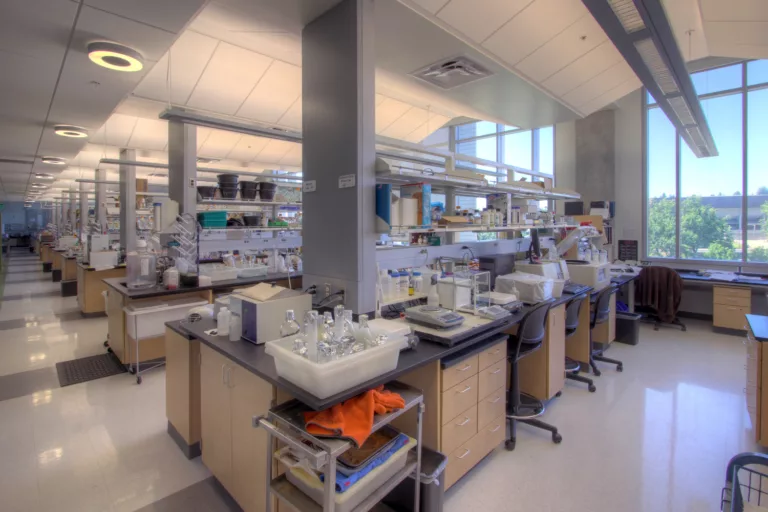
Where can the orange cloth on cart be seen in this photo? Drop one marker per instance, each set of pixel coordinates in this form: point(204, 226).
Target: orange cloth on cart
point(353, 419)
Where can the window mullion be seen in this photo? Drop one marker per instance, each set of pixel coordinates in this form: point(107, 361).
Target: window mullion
point(744, 168)
point(677, 196)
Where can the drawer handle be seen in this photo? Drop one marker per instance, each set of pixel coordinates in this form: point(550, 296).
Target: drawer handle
point(464, 454)
point(466, 420)
point(732, 308)
point(495, 430)
point(496, 371)
point(464, 390)
point(495, 400)
point(465, 368)
point(496, 351)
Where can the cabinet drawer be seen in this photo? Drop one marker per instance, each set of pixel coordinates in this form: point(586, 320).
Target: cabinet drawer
point(492, 355)
point(491, 378)
point(731, 317)
point(459, 372)
point(752, 379)
point(459, 398)
point(464, 458)
point(491, 406)
point(459, 430)
point(727, 300)
point(494, 433)
point(729, 291)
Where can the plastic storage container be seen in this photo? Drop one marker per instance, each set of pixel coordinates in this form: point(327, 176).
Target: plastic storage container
point(628, 328)
point(327, 379)
point(206, 192)
point(228, 179)
point(228, 192)
point(214, 219)
point(530, 288)
point(348, 500)
point(249, 190)
point(147, 320)
point(557, 287)
point(267, 191)
point(141, 270)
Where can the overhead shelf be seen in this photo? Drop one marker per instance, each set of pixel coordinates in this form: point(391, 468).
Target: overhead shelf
point(472, 229)
point(233, 202)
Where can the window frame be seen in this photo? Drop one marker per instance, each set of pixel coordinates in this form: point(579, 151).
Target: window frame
point(646, 106)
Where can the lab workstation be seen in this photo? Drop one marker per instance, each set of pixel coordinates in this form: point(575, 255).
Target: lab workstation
point(403, 255)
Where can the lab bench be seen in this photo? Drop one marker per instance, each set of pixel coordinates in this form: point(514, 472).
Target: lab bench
point(91, 285)
point(756, 389)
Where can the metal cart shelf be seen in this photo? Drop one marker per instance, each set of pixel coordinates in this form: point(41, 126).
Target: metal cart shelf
point(285, 422)
point(746, 483)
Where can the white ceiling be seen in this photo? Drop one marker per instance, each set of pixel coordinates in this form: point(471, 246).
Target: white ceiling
point(736, 28)
point(47, 78)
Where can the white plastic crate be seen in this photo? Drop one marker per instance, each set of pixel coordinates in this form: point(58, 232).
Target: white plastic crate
point(147, 320)
point(327, 379)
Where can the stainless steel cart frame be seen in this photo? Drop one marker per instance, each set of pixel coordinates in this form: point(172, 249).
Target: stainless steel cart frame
point(285, 422)
point(745, 484)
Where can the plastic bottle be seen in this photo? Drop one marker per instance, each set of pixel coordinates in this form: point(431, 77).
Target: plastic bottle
point(395, 284)
point(386, 284)
point(235, 326)
point(171, 278)
point(486, 217)
point(222, 321)
point(404, 278)
point(433, 299)
point(310, 334)
point(417, 281)
point(411, 289)
point(140, 267)
point(498, 217)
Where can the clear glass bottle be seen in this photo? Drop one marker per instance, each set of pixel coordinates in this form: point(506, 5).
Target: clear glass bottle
point(141, 267)
point(290, 326)
point(364, 334)
point(310, 335)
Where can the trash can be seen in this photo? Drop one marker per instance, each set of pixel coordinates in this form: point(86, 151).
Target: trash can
point(432, 485)
point(628, 328)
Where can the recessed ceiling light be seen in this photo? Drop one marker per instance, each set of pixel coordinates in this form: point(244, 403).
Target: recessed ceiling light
point(203, 160)
point(53, 160)
point(66, 130)
point(115, 56)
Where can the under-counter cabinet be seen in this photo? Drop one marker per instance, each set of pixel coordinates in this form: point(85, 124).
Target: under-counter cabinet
point(232, 449)
point(542, 373)
point(730, 305)
point(756, 376)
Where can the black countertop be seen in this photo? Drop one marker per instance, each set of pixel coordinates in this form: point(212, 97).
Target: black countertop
point(118, 284)
point(759, 326)
point(692, 276)
point(88, 268)
point(255, 359)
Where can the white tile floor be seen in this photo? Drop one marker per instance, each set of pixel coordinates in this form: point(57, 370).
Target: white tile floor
point(654, 438)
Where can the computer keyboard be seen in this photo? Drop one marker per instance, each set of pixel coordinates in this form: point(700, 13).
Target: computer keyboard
point(574, 288)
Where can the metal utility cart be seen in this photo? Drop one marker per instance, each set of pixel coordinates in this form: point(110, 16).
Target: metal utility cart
point(746, 483)
point(285, 422)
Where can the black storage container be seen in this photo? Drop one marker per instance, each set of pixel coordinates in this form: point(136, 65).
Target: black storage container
point(432, 486)
point(249, 190)
point(228, 192)
point(267, 191)
point(628, 328)
point(228, 179)
point(206, 192)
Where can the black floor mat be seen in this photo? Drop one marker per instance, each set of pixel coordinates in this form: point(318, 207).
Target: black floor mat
point(88, 368)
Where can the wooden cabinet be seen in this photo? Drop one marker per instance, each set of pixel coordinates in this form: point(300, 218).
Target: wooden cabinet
point(542, 373)
point(756, 379)
point(459, 398)
point(606, 331)
point(182, 388)
point(730, 305)
point(232, 449)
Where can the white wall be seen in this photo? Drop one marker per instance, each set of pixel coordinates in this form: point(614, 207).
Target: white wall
point(565, 159)
point(628, 180)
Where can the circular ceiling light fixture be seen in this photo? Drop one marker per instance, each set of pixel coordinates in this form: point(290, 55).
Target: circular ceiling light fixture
point(66, 130)
point(115, 56)
point(53, 160)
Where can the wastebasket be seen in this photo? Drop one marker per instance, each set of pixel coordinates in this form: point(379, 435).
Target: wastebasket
point(432, 485)
point(628, 328)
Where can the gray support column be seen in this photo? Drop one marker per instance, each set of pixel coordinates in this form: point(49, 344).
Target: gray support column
point(339, 142)
point(73, 211)
point(128, 201)
point(182, 165)
point(101, 200)
point(55, 214)
point(62, 212)
point(83, 212)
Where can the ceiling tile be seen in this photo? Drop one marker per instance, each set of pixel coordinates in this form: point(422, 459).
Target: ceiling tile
point(189, 56)
point(170, 15)
point(533, 27)
point(742, 33)
point(734, 10)
point(293, 156)
point(434, 123)
point(247, 148)
point(478, 19)
point(407, 123)
point(599, 85)
point(579, 71)
point(563, 49)
point(202, 135)
point(380, 99)
point(431, 6)
point(219, 144)
point(275, 93)
point(388, 112)
point(609, 97)
point(116, 131)
point(228, 79)
point(292, 118)
point(274, 151)
point(149, 134)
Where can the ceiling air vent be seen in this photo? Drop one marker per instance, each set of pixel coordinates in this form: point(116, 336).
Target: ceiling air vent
point(450, 73)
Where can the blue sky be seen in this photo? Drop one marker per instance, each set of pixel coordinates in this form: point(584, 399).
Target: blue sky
point(723, 173)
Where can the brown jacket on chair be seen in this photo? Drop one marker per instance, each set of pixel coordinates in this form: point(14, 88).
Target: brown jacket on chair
point(660, 288)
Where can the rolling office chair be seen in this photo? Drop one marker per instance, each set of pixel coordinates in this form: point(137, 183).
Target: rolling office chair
point(599, 316)
point(520, 406)
point(572, 367)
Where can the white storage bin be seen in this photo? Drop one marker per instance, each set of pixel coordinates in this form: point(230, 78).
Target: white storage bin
point(147, 320)
point(327, 379)
point(530, 288)
point(557, 287)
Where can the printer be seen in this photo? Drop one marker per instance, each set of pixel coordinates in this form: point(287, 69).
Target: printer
point(262, 308)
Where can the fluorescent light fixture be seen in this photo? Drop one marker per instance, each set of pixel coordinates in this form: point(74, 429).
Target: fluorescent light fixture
point(53, 160)
point(203, 160)
point(115, 56)
point(66, 130)
point(641, 32)
point(43, 176)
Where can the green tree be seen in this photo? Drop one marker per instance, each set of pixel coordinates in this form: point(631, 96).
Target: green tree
point(737, 193)
point(661, 227)
point(764, 220)
point(762, 190)
point(720, 251)
point(759, 254)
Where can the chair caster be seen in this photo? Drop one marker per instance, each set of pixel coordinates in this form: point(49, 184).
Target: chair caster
point(557, 438)
point(684, 328)
point(109, 350)
point(132, 370)
point(558, 394)
point(509, 445)
point(620, 368)
point(138, 379)
point(598, 373)
point(592, 388)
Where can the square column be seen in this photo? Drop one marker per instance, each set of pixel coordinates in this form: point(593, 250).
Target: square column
point(128, 201)
point(182, 165)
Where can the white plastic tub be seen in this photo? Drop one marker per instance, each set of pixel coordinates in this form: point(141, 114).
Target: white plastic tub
point(529, 288)
point(557, 288)
point(327, 379)
point(147, 320)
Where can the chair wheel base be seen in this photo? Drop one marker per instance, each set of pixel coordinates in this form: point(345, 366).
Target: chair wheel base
point(557, 438)
point(597, 373)
point(620, 368)
point(592, 388)
point(559, 394)
point(138, 379)
point(509, 445)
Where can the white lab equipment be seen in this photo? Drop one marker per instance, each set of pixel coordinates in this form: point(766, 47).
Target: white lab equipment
point(550, 269)
point(454, 293)
point(529, 288)
point(222, 322)
point(263, 309)
point(596, 275)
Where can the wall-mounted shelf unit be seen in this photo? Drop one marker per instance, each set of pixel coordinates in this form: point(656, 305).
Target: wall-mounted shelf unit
point(233, 202)
point(472, 229)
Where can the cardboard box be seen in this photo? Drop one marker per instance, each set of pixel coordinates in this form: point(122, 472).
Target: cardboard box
point(452, 221)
